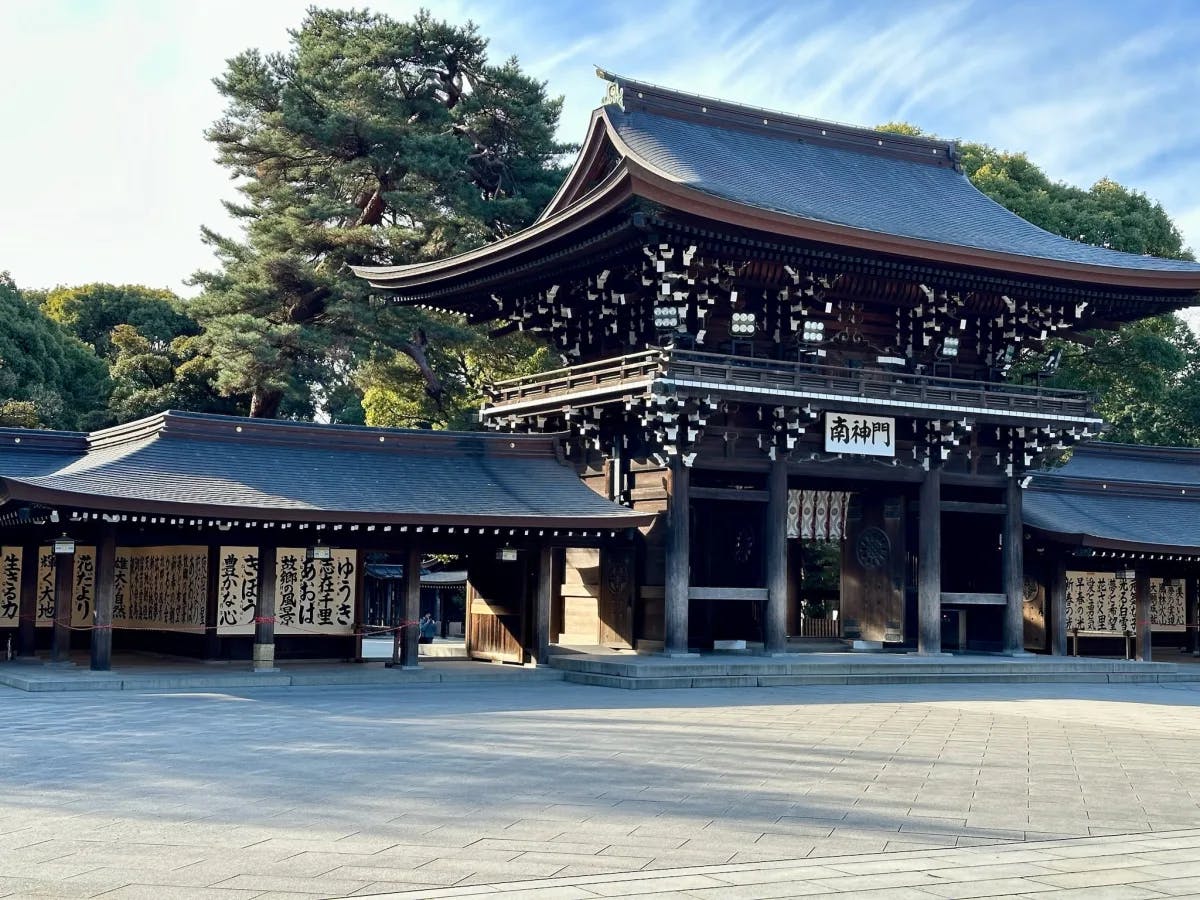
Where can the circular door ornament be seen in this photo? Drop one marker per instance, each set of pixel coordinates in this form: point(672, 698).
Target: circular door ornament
point(743, 544)
point(873, 548)
point(1029, 590)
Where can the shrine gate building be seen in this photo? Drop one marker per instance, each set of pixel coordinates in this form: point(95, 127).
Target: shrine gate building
point(788, 342)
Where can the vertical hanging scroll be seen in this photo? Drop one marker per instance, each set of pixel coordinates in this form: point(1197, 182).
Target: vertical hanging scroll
point(237, 590)
point(10, 586)
point(83, 586)
point(312, 596)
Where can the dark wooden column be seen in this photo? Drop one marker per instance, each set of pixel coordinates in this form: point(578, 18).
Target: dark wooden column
point(64, 581)
point(412, 610)
point(27, 621)
point(545, 595)
point(678, 549)
point(1014, 569)
point(1057, 596)
point(212, 643)
point(102, 624)
point(776, 548)
point(929, 564)
point(1141, 599)
point(264, 613)
point(1191, 615)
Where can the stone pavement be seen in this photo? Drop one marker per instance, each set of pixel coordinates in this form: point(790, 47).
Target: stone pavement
point(350, 790)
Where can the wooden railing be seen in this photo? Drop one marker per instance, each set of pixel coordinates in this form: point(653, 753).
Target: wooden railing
point(727, 372)
point(820, 628)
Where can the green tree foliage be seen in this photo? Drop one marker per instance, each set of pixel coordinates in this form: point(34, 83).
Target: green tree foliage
point(394, 396)
point(370, 141)
point(44, 371)
point(90, 312)
point(1145, 375)
point(148, 377)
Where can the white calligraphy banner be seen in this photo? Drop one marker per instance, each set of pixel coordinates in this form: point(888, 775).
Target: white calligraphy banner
point(160, 588)
point(83, 585)
point(312, 596)
point(853, 433)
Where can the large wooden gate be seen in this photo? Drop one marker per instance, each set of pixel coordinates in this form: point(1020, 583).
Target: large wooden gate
point(616, 596)
point(873, 568)
point(498, 608)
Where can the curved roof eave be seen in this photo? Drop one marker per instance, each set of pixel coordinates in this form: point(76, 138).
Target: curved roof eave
point(603, 199)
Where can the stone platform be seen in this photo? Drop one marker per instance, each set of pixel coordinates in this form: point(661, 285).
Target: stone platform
point(624, 669)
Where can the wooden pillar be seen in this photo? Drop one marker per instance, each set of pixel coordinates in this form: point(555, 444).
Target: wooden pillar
point(212, 643)
point(64, 581)
point(409, 648)
point(929, 564)
point(360, 604)
point(1058, 607)
point(264, 613)
point(27, 612)
point(102, 625)
point(545, 593)
point(678, 563)
point(1014, 569)
point(1142, 630)
point(776, 549)
point(1192, 614)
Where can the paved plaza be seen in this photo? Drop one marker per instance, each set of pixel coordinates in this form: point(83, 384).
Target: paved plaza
point(550, 789)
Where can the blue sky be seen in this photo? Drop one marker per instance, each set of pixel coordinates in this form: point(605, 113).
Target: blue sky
point(108, 178)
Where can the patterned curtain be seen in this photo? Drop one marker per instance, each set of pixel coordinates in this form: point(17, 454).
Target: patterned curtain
point(817, 515)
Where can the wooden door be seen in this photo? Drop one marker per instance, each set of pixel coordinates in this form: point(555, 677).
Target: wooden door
point(616, 596)
point(497, 601)
point(872, 605)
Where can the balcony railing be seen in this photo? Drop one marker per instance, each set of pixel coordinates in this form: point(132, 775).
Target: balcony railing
point(726, 373)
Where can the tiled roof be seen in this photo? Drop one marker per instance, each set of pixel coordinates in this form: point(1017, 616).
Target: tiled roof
point(810, 170)
point(1122, 496)
point(206, 465)
point(25, 451)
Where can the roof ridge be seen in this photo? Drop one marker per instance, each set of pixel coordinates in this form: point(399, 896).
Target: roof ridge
point(626, 92)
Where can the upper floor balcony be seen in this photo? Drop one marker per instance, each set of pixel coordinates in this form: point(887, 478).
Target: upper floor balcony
point(870, 389)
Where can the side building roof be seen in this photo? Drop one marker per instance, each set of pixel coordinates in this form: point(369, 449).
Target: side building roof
point(192, 464)
point(1120, 497)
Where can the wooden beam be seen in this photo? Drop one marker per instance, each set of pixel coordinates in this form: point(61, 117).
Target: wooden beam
point(678, 563)
point(27, 604)
point(1191, 614)
point(264, 612)
point(973, 599)
point(545, 594)
point(102, 617)
point(64, 581)
point(929, 565)
point(776, 548)
point(412, 609)
point(727, 593)
point(983, 509)
point(1058, 607)
point(1014, 569)
point(751, 496)
point(1143, 633)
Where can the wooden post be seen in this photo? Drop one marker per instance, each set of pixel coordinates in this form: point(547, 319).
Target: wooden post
point(1142, 630)
point(264, 613)
point(360, 603)
point(212, 642)
point(678, 563)
point(27, 612)
point(1058, 607)
point(776, 548)
point(102, 621)
point(1192, 615)
point(545, 593)
point(929, 564)
point(1014, 570)
point(412, 610)
point(64, 582)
